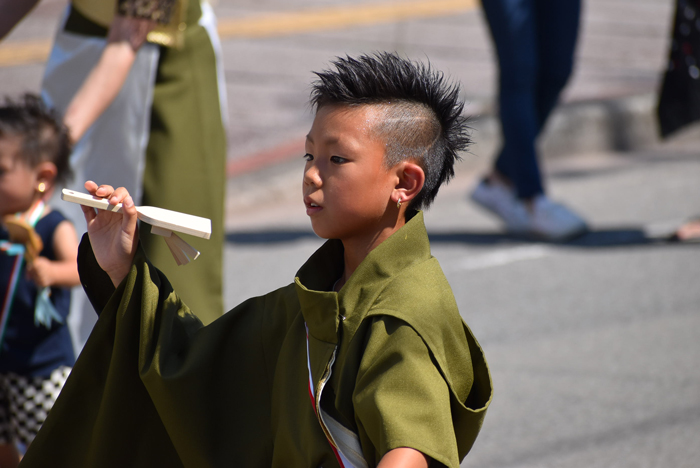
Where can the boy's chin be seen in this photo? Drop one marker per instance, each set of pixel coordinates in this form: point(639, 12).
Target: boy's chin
point(323, 233)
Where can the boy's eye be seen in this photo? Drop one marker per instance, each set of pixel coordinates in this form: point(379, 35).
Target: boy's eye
point(309, 157)
point(338, 160)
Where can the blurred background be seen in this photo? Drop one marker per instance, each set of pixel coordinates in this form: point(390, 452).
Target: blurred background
point(593, 342)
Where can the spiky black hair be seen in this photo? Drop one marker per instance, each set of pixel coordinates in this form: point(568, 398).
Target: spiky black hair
point(44, 136)
point(423, 118)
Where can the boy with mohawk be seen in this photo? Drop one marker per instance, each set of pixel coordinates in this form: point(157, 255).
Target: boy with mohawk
point(363, 361)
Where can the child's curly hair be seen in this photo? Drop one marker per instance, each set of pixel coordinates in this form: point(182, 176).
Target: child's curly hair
point(44, 136)
point(422, 119)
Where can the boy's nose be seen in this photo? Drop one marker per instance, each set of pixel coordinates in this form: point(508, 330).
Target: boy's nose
point(311, 176)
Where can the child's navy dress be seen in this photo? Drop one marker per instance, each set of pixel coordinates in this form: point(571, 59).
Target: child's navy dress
point(34, 360)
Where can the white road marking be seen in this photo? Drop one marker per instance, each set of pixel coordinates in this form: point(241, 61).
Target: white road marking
point(500, 257)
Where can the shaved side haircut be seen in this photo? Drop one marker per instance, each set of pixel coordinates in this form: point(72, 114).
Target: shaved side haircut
point(421, 111)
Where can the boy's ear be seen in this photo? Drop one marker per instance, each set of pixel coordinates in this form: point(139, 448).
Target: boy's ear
point(411, 179)
point(46, 173)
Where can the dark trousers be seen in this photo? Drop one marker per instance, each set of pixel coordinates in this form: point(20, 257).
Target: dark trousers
point(535, 42)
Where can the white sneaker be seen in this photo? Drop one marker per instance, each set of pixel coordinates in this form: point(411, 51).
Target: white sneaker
point(501, 201)
point(548, 220)
point(554, 221)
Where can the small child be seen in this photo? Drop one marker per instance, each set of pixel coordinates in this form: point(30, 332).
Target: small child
point(37, 268)
point(363, 361)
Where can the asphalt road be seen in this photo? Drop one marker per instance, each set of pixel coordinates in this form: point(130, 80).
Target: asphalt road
point(592, 344)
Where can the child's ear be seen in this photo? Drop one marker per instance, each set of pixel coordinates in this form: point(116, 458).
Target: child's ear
point(46, 173)
point(411, 179)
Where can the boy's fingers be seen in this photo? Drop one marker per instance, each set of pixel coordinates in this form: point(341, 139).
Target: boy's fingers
point(129, 219)
point(94, 189)
point(104, 191)
point(107, 191)
point(88, 213)
point(118, 196)
point(128, 206)
point(90, 186)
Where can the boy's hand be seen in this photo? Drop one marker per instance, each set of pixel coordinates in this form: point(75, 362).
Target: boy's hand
point(404, 457)
point(113, 236)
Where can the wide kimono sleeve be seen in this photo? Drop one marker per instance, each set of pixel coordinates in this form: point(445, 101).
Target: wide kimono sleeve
point(153, 387)
point(400, 398)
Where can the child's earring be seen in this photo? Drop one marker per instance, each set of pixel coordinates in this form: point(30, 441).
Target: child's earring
point(398, 203)
point(42, 187)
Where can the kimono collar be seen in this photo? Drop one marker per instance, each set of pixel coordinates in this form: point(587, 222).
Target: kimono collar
point(323, 309)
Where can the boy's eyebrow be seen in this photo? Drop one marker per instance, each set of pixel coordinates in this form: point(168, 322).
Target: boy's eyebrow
point(330, 140)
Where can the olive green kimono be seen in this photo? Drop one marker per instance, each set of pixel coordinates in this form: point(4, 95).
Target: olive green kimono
point(390, 353)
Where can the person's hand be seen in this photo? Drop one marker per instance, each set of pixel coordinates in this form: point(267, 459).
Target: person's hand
point(404, 457)
point(114, 236)
point(40, 272)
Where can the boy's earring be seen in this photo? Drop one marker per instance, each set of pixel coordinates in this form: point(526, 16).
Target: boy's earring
point(398, 203)
point(42, 187)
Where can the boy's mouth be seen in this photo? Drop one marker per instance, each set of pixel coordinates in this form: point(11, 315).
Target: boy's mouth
point(311, 206)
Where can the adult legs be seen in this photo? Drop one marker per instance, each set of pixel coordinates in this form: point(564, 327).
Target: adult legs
point(557, 30)
point(513, 28)
point(535, 41)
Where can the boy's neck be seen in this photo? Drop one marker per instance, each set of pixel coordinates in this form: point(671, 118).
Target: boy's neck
point(356, 249)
